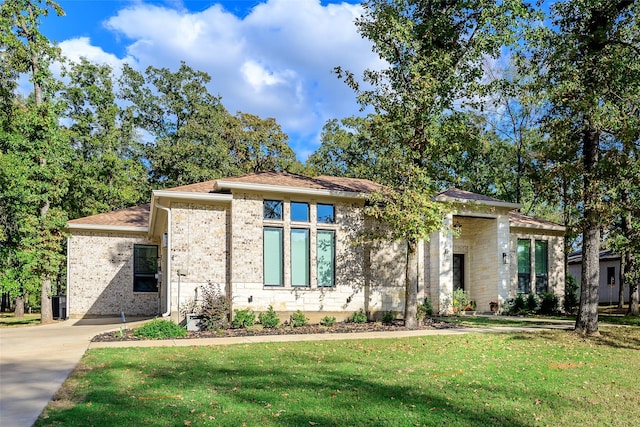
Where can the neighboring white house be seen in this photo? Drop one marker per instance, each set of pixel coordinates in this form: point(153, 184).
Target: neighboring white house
point(609, 289)
point(290, 241)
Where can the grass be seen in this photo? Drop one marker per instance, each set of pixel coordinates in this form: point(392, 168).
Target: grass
point(7, 320)
point(526, 379)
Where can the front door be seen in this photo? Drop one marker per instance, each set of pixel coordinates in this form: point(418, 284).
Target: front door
point(458, 271)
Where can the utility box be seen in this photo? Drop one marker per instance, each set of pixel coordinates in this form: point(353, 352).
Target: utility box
point(59, 305)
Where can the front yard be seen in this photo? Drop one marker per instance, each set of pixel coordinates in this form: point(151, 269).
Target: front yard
point(546, 378)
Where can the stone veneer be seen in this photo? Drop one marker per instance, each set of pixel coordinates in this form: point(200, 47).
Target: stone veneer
point(101, 276)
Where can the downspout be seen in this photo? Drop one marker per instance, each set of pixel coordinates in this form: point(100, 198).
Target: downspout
point(168, 272)
point(67, 302)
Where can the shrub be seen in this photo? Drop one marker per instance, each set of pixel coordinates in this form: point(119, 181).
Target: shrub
point(359, 317)
point(571, 297)
point(515, 305)
point(160, 329)
point(532, 303)
point(388, 317)
point(548, 303)
point(269, 318)
point(328, 321)
point(425, 309)
point(461, 300)
point(298, 319)
point(243, 318)
point(215, 308)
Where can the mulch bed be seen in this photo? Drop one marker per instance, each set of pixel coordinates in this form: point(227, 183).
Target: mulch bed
point(343, 327)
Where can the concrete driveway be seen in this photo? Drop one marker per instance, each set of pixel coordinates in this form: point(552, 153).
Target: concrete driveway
point(35, 361)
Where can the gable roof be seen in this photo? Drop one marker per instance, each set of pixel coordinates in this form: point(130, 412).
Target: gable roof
point(517, 219)
point(135, 218)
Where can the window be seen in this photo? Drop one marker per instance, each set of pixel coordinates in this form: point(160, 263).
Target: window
point(273, 264)
point(611, 276)
point(299, 257)
point(524, 266)
point(542, 270)
point(299, 211)
point(145, 267)
point(272, 209)
point(326, 214)
point(325, 258)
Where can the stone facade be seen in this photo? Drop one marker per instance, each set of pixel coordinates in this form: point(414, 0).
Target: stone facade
point(101, 276)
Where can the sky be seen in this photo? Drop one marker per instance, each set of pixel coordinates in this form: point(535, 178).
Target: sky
point(271, 58)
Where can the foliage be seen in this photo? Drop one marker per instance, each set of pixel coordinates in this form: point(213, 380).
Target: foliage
point(269, 318)
point(388, 317)
point(461, 299)
point(425, 309)
point(160, 329)
point(298, 319)
point(328, 321)
point(243, 318)
point(515, 306)
point(447, 380)
point(571, 298)
point(532, 303)
point(213, 307)
point(549, 303)
point(359, 317)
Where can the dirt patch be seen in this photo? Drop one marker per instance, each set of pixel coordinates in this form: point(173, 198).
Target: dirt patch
point(339, 328)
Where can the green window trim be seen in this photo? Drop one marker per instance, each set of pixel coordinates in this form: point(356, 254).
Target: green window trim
point(299, 257)
point(542, 266)
point(326, 258)
point(524, 266)
point(273, 256)
point(145, 268)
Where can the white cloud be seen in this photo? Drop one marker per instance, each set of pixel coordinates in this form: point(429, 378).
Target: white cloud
point(81, 47)
point(277, 61)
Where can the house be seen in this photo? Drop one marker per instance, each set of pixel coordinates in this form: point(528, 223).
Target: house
point(289, 241)
point(610, 279)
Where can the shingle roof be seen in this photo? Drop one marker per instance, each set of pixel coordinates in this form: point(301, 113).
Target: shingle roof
point(285, 179)
point(521, 220)
point(455, 193)
point(198, 187)
point(605, 255)
point(136, 216)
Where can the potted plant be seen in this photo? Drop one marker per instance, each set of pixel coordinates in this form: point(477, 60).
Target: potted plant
point(493, 305)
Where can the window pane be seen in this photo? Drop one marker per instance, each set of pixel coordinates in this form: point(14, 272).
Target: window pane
point(299, 257)
point(326, 258)
point(524, 266)
point(145, 267)
point(542, 276)
point(299, 211)
point(326, 214)
point(272, 258)
point(272, 209)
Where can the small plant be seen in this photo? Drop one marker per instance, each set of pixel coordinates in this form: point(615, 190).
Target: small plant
point(359, 317)
point(461, 300)
point(388, 317)
point(425, 309)
point(215, 308)
point(516, 305)
point(548, 303)
point(532, 303)
point(298, 319)
point(269, 318)
point(328, 321)
point(571, 297)
point(160, 329)
point(243, 318)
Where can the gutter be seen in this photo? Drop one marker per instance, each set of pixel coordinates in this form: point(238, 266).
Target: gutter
point(168, 273)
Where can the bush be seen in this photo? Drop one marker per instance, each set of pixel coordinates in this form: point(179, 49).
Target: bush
point(425, 309)
point(461, 300)
point(243, 318)
point(388, 317)
point(160, 329)
point(548, 303)
point(515, 305)
point(213, 308)
point(269, 318)
point(571, 296)
point(298, 319)
point(328, 321)
point(532, 303)
point(359, 317)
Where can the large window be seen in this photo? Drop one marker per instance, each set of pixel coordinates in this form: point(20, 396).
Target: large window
point(542, 266)
point(145, 268)
point(273, 256)
point(524, 266)
point(299, 257)
point(325, 258)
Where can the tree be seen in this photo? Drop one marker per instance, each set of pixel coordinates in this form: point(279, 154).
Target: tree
point(31, 140)
point(590, 71)
point(106, 171)
point(435, 52)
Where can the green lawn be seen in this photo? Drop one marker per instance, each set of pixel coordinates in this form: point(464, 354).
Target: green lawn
point(7, 319)
point(533, 379)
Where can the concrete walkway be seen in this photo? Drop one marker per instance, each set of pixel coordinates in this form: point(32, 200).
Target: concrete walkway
point(35, 361)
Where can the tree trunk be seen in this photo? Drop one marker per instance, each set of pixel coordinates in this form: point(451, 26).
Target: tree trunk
point(19, 308)
point(625, 256)
point(587, 319)
point(634, 291)
point(46, 310)
point(411, 286)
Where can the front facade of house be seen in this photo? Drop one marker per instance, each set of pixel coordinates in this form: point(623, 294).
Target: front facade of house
point(291, 242)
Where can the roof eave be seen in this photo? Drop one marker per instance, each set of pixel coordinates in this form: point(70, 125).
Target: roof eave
point(558, 228)
point(108, 228)
point(497, 204)
point(229, 185)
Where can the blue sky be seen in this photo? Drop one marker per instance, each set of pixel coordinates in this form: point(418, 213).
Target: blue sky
point(272, 58)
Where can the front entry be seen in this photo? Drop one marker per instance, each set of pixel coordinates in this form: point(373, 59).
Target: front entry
point(458, 271)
